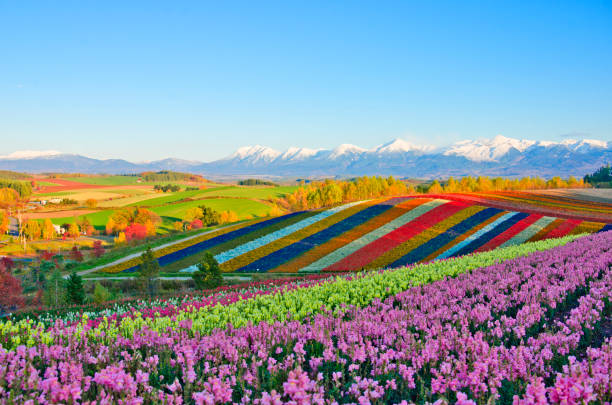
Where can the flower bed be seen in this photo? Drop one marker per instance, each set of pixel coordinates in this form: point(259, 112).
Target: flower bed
point(499, 334)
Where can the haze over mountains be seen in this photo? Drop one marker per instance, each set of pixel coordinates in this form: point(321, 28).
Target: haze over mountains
point(497, 156)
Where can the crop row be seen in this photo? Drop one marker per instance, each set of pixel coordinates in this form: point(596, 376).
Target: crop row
point(282, 303)
point(508, 332)
point(374, 234)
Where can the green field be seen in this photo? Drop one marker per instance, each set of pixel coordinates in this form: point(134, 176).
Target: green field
point(97, 219)
point(246, 202)
point(244, 208)
point(106, 180)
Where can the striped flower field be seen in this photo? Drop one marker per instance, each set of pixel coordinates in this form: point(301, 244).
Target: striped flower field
point(384, 233)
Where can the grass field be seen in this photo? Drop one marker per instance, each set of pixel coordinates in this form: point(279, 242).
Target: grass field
point(106, 180)
point(244, 208)
point(246, 202)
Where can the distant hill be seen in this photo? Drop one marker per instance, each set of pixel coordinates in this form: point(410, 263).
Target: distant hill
point(9, 175)
point(500, 156)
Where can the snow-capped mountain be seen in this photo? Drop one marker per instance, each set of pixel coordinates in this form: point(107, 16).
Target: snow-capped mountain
point(499, 156)
point(31, 154)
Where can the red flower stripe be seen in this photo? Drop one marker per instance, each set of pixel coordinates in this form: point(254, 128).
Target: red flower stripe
point(370, 252)
point(563, 229)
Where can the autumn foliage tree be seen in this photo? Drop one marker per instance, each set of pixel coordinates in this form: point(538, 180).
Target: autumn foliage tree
point(10, 291)
point(98, 249)
point(135, 232)
point(4, 222)
point(76, 254)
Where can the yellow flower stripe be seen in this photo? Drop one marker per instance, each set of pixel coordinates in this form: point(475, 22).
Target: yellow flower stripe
point(336, 243)
point(542, 234)
point(433, 231)
point(463, 236)
point(256, 254)
point(586, 227)
point(119, 267)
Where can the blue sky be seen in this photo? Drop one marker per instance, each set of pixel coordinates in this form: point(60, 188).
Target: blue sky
point(195, 80)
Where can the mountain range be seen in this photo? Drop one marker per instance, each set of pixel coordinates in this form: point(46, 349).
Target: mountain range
point(499, 156)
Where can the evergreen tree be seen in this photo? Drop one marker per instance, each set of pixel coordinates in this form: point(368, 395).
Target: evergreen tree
point(55, 291)
point(148, 272)
point(209, 274)
point(75, 293)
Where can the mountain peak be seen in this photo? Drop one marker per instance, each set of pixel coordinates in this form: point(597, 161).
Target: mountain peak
point(346, 148)
point(254, 153)
point(488, 150)
point(399, 145)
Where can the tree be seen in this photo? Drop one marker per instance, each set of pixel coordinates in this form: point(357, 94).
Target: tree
point(75, 294)
point(74, 231)
point(48, 230)
point(75, 254)
point(178, 226)
point(209, 274)
point(227, 217)
point(110, 226)
point(435, 187)
point(209, 216)
point(136, 232)
point(148, 272)
point(10, 290)
point(196, 224)
point(120, 239)
point(4, 222)
point(101, 294)
point(98, 249)
point(193, 213)
point(91, 203)
point(32, 229)
point(55, 290)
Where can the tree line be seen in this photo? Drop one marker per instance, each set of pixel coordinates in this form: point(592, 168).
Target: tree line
point(325, 193)
point(167, 175)
point(256, 182)
point(601, 177)
point(471, 184)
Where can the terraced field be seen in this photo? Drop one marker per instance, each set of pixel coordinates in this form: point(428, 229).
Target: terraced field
point(384, 233)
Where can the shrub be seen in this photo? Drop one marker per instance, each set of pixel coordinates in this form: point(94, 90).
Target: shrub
point(208, 275)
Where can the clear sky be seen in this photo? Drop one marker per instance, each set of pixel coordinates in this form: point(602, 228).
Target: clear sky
point(195, 80)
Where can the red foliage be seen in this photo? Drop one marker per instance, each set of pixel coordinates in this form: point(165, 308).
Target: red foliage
point(46, 255)
point(75, 254)
point(98, 250)
point(196, 224)
point(135, 231)
point(6, 263)
point(10, 291)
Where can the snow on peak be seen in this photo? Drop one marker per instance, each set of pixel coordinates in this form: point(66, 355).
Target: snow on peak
point(294, 153)
point(31, 154)
point(400, 145)
point(346, 148)
point(255, 153)
point(487, 150)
